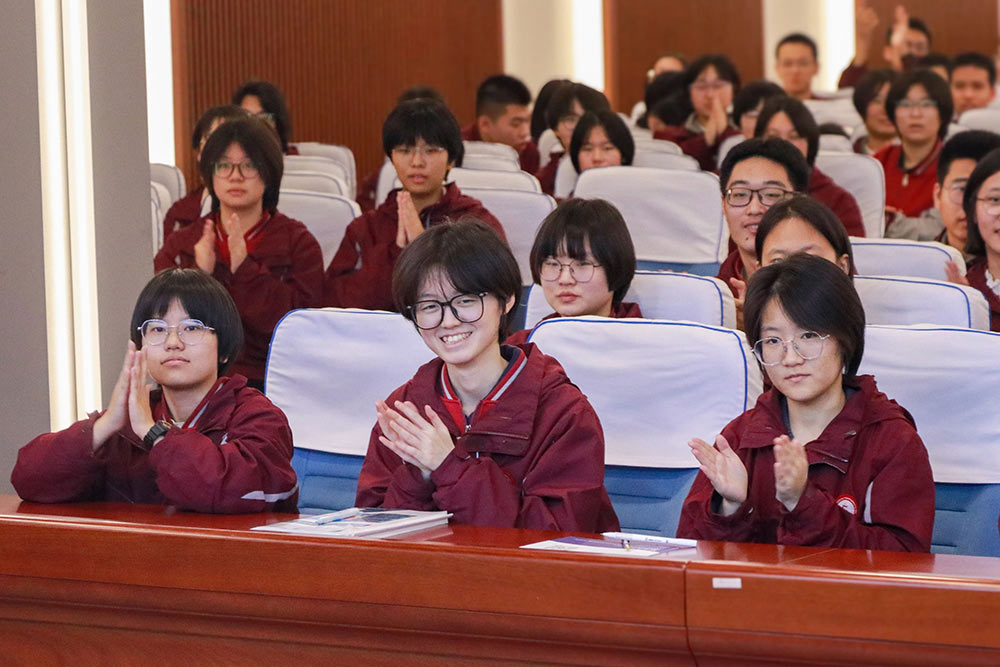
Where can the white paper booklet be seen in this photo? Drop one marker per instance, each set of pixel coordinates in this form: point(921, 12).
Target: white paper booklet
point(360, 522)
point(634, 545)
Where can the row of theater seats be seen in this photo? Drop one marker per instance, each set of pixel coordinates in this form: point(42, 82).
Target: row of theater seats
point(656, 384)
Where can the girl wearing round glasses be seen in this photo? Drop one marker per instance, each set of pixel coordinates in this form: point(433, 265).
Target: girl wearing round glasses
point(982, 212)
point(269, 263)
point(584, 261)
point(495, 434)
point(824, 458)
point(201, 441)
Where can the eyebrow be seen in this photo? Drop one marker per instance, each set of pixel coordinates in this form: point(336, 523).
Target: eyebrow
point(766, 183)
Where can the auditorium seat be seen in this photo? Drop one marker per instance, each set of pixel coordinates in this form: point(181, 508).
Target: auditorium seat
point(948, 378)
point(657, 145)
point(490, 148)
point(981, 119)
point(863, 177)
point(727, 145)
point(900, 257)
point(314, 181)
point(835, 143)
point(565, 178)
point(342, 155)
point(900, 300)
point(171, 178)
point(675, 217)
point(156, 218)
point(325, 370)
point(326, 216)
point(655, 384)
point(836, 110)
point(547, 142)
point(664, 160)
point(314, 163)
point(489, 162)
point(664, 295)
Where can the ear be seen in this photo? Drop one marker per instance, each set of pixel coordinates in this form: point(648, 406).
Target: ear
point(937, 195)
point(844, 262)
point(509, 305)
point(484, 124)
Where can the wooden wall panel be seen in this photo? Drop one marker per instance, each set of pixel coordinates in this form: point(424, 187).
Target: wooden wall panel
point(340, 63)
point(637, 31)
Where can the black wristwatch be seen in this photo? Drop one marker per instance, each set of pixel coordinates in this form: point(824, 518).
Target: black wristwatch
point(159, 429)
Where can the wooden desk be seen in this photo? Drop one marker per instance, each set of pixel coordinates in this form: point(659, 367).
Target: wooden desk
point(108, 583)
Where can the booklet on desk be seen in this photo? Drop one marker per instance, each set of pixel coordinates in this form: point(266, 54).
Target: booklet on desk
point(635, 545)
point(360, 522)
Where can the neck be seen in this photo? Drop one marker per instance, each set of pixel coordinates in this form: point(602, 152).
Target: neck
point(958, 244)
point(802, 95)
point(749, 263)
point(809, 419)
point(473, 380)
point(914, 154)
point(993, 263)
point(877, 142)
point(249, 216)
point(420, 202)
point(182, 401)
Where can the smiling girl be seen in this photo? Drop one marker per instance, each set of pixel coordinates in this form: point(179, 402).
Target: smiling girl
point(201, 441)
point(824, 458)
point(495, 434)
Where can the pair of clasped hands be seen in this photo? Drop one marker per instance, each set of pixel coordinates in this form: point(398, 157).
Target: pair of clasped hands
point(409, 225)
point(419, 439)
point(728, 475)
point(129, 400)
point(204, 249)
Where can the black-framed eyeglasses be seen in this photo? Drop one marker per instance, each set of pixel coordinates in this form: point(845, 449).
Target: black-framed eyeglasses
point(225, 169)
point(429, 314)
point(190, 332)
point(808, 345)
point(581, 272)
point(768, 196)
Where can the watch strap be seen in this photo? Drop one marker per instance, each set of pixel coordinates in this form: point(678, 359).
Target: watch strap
point(158, 430)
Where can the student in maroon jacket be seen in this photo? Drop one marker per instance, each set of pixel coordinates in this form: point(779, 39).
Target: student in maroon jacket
point(796, 62)
point(495, 434)
point(187, 209)
point(584, 261)
point(906, 41)
point(201, 441)
point(710, 82)
point(981, 202)
point(503, 116)
point(266, 101)
point(789, 119)
point(422, 139)
point(824, 458)
point(269, 263)
point(568, 103)
point(869, 99)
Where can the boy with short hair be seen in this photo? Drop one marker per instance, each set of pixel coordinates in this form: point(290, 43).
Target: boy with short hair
point(796, 63)
point(503, 116)
point(973, 77)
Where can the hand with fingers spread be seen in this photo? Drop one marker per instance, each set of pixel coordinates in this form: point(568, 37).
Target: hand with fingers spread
point(237, 243)
point(897, 39)
point(419, 439)
point(409, 225)
point(204, 249)
point(791, 471)
point(113, 419)
point(954, 275)
point(724, 470)
point(139, 412)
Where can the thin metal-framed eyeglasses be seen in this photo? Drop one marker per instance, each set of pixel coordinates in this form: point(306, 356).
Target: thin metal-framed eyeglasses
point(190, 332)
point(991, 204)
point(247, 169)
point(429, 313)
point(426, 151)
point(771, 350)
point(769, 196)
point(581, 272)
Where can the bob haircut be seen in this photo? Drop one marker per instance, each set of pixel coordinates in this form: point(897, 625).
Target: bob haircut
point(814, 213)
point(751, 95)
point(616, 129)
point(817, 296)
point(868, 87)
point(776, 150)
point(548, 91)
point(203, 297)
point(257, 140)
point(561, 104)
point(223, 112)
point(574, 223)
point(273, 102)
point(937, 89)
point(968, 145)
point(469, 254)
point(724, 67)
point(989, 165)
point(499, 91)
point(423, 119)
point(802, 119)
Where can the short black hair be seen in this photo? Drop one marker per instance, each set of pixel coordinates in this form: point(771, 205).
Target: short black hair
point(574, 223)
point(561, 104)
point(833, 128)
point(800, 116)
point(817, 214)
point(203, 297)
point(913, 24)
point(798, 38)
point(538, 122)
point(968, 145)
point(817, 296)
point(470, 254)
point(753, 94)
point(222, 112)
point(273, 102)
point(497, 92)
point(616, 129)
point(974, 59)
point(937, 89)
point(423, 119)
point(724, 67)
point(257, 140)
point(934, 60)
point(868, 87)
point(776, 150)
point(986, 167)
point(663, 85)
point(420, 92)
point(671, 110)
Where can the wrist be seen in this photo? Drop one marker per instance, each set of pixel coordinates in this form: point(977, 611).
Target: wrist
point(154, 432)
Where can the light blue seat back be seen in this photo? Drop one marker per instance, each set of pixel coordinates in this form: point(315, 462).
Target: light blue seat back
point(327, 481)
point(965, 519)
point(648, 500)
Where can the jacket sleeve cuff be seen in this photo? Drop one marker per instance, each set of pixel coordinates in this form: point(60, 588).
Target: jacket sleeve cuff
point(249, 269)
point(812, 504)
point(450, 469)
point(738, 517)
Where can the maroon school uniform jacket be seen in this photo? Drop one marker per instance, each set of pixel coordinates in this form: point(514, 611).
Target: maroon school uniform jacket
point(623, 309)
point(360, 274)
point(547, 175)
point(233, 455)
point(532, 455)
point(528, 156)
point(823, 189)
point(731, 268)
point(976, 275)
point(694, 144)
point(283, 272)
point(366, 190)
point(869, 484)
point(185, 210)
point(910, 190)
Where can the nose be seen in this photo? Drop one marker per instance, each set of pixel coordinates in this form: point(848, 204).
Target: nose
point(449, 319)
point(173, 340)
point(789, 357)
point(418, 157)
point(566, 275)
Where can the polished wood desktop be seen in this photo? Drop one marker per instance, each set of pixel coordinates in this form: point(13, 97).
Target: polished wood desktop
point(112, 583)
